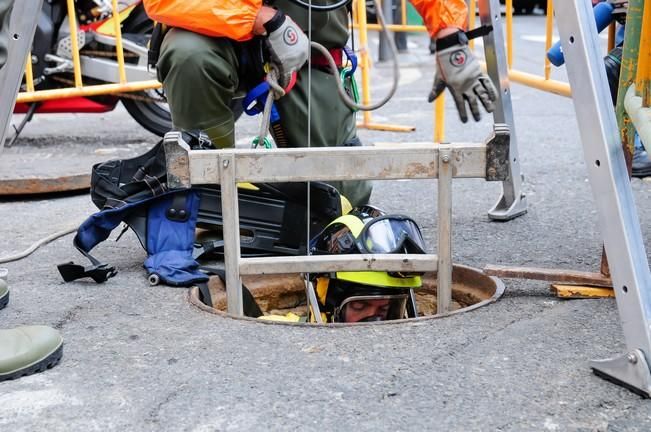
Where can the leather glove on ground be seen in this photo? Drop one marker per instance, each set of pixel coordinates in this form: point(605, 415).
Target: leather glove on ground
point(288, 46)
point(458, 70)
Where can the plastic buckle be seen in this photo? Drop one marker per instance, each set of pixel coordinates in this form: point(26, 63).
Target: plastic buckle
point(350, 55)
point(253, 102)
point(99, 273)
point(255, 99)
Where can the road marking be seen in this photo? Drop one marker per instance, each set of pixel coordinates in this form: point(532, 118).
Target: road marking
point(538, 38)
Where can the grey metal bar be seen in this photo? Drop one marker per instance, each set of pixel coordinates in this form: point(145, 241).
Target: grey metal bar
point(354, 163)
point(487, 160)
point(231, 228)
point(21, 32)
point(312, 301)
point(513, 202)
point(444, 275)
point(619, 224)
point(333, 263)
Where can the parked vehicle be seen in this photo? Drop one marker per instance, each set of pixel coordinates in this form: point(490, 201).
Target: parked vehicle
point(53, 67)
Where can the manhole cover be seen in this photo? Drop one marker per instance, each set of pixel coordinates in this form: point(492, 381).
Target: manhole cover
point(280, 294)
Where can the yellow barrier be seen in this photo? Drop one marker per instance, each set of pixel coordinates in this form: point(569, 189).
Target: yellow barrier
point(359, 22)
point(359, 17)
point(543, 82)
point(122, 86)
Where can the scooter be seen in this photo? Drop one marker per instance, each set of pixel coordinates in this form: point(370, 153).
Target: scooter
point(53, 66)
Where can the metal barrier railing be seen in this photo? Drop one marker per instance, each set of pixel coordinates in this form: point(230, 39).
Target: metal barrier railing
point(359, 21)
point(121, 85)
point(541, 82)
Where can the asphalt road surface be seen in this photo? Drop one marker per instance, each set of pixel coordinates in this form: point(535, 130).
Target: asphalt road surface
point(141, 358)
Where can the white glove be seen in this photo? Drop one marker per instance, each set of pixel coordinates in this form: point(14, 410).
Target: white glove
point(458, 70)
point(288, 46)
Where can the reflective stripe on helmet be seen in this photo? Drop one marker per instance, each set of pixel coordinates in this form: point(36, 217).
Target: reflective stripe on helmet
point(380, 279)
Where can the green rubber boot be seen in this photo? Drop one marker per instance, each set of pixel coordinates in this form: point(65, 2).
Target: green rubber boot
point(4, 294)
point(28, 350)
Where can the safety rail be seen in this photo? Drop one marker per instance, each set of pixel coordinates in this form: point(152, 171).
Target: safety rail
point(186, 167)
point(541, 82)
point(118, 80)
point(121, 84)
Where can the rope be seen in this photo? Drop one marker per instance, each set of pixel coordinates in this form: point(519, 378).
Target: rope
point(38, 244)
point(275, 92)
point(396, 68)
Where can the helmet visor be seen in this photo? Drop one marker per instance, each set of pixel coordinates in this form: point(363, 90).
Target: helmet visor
point(391, 234)
point(367, 212)
point(372, 308)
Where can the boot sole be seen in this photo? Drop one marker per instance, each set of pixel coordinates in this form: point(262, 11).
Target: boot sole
point(4, 300)
point(47, 363)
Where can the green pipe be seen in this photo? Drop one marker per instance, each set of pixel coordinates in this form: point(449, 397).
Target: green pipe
point(627, 73)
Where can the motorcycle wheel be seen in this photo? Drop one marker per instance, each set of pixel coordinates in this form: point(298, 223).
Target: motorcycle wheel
point(152, 115)
point(155, 115)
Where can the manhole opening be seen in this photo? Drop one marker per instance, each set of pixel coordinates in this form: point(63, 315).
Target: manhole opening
point(285, 293)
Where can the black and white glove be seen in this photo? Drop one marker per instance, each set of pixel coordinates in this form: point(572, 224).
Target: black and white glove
point(458, 70)
point(288, 46)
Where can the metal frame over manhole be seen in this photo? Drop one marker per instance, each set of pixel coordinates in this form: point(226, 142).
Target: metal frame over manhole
point(471, 289)
point(186, 167)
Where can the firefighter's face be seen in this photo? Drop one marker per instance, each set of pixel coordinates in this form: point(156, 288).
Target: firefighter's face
point(366, 310)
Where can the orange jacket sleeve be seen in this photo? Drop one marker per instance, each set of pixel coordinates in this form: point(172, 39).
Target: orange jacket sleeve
point(232, 19)
point(438, 14)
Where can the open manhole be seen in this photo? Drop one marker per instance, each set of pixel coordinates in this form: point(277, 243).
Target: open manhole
point(284, 293)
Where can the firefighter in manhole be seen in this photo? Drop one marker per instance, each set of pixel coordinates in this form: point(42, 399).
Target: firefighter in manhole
point(368, 295)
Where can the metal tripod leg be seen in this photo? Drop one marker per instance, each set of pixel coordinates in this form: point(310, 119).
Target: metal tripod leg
point(21, 32)
point(513, 202)
point(612, 192)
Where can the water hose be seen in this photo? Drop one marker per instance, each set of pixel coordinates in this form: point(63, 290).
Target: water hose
point(396, 67)
point(38, 244)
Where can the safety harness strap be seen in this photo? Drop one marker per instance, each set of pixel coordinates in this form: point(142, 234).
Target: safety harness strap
point(461, 37)
point(204, 293)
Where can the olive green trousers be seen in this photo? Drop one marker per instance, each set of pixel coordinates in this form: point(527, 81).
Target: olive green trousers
point(201, 75)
